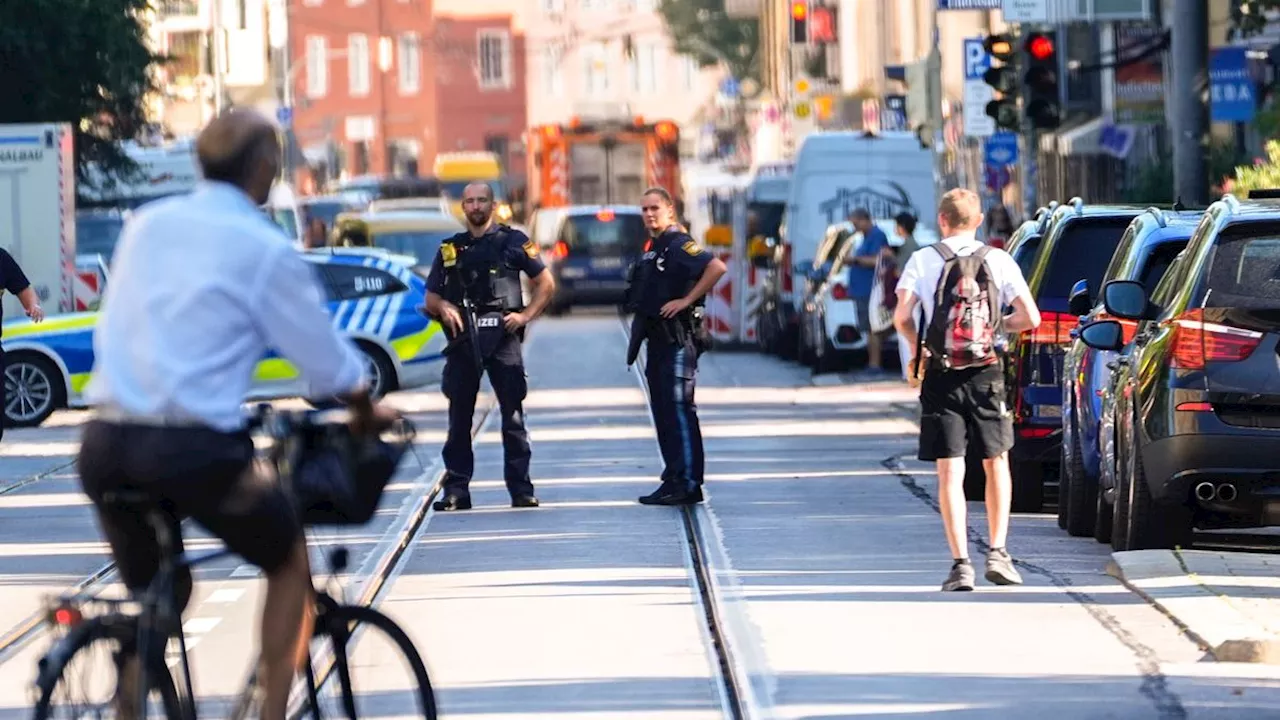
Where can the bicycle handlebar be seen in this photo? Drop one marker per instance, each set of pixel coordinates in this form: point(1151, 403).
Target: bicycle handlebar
point(281, 424)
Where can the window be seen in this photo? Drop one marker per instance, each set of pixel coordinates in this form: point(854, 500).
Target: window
point(595, 69)
point(409, 64)
point(553, 6)
point(605, 234)
point(1081, 253)
point(595, 4)
point(242, 14)
point(647, 59)
point(317, 67)
point(350, 282)
point(1158, 262)
point(498, 145)
point(552, 77)
point(420, 244)
point(358, 64)
point(495, 59)
point(1243, 270)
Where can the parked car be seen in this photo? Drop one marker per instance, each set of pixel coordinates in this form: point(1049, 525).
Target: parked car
point(1076, 244)
point(415, 235)
point(1198, 405)
point(1146, 250)
point(373, 300)
point(594, 246)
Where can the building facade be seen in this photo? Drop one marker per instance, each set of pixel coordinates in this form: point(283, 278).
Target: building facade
point(612, 58)
point(234, 54)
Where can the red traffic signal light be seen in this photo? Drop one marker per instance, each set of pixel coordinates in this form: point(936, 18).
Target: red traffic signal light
point(1040, 47)
point(800, 9)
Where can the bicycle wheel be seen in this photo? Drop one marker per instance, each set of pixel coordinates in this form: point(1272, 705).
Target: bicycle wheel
point(334, 690)
point(88, 660)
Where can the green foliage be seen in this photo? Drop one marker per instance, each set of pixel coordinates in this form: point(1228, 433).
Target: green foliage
point(1153, 183)
point(1264, 175)
point(702, 30)
point(83, 62)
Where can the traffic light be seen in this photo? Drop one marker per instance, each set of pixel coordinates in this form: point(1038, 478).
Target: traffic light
point(799, 22)
point(1041, 79)
point(1003, 79)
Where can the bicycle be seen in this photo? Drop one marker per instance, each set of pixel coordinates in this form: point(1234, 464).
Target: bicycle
point(124, 629)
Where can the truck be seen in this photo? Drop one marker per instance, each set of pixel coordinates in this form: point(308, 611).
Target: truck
point(602, 161)
point(37, 211)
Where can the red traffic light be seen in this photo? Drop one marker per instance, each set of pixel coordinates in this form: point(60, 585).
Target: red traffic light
point(800, 9)
point(1040, 47)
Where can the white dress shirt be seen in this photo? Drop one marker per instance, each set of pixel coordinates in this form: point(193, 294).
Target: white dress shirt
point(924, 271)
point(201, 287)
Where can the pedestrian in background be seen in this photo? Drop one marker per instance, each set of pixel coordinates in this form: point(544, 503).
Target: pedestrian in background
point(961, 286)
point(862, 261)
point(999, 226)
point(904, 228)
point(13, 280)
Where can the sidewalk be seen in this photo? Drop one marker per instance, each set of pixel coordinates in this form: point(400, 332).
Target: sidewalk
point(1228, 601)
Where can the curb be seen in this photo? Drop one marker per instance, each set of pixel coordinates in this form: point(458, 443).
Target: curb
point(1162, 579)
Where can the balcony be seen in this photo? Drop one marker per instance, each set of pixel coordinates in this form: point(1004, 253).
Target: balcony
point(179, 8)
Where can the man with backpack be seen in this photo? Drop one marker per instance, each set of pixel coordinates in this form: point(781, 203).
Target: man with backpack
point(960, 286)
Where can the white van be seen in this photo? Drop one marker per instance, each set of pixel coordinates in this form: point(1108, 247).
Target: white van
point(837, 172)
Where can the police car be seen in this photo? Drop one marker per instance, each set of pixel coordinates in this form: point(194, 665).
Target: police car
point(372, 297)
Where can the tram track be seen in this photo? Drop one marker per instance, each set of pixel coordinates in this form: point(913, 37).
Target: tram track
point(727, 650)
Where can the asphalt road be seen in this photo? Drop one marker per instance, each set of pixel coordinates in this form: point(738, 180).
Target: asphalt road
point(821, 531)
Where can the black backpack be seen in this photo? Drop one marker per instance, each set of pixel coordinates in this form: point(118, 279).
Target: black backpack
point(966, 312)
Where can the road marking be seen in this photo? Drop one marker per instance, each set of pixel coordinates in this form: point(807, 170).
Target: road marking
point(196, 626)
point(245, 571)
point(225, 595)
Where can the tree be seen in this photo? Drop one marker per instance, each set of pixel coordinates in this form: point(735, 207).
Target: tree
point(1261, 176)
point(702, 30)
point(84, 62)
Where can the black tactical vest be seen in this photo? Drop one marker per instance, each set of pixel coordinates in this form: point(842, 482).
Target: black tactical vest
point(655, 282)
point(486, 273)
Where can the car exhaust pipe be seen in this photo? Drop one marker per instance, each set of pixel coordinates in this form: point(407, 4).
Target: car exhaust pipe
point(1226, 492)
point(1205, 491)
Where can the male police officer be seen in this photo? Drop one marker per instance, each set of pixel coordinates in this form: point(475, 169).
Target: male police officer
point(673, 275)
point(474, 290)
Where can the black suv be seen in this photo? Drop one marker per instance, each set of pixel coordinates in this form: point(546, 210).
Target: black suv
point(1197, 408)
point(1076, 245)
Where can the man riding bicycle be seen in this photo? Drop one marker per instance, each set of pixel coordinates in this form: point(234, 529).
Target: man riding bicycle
point(202, 286)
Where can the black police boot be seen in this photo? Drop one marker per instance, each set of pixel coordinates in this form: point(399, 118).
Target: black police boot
point(672, 494)
point(453, 502)
point(524, 501)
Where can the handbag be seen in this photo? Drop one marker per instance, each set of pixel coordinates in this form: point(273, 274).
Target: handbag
point(338, 478)
point(881, 316)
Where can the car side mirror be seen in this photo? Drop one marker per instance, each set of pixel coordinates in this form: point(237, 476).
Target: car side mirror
point(1126, 299)
point(1103, 335)
point(1079, 302)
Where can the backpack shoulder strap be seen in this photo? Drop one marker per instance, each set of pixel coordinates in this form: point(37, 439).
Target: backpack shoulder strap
point(946, 252)
point(981, 253)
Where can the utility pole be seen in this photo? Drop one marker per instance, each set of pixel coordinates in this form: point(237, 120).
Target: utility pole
point(1189, 54)
point(219, 57)
point(934, 75)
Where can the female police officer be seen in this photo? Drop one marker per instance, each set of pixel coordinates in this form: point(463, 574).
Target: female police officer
point(673, 275)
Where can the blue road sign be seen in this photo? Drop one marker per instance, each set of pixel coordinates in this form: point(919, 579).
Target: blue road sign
point(1000, 149)
point(1116, 139)
point(969, 4)
point(1232, 92)
point(729, 87)
point(976, 59)
point(284, 115)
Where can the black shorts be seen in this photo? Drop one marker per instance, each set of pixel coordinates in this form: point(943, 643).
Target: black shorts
point(958, 407)
point(199, 473)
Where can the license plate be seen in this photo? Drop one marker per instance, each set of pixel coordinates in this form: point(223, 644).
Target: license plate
point(1048, 411)
point(606, 262)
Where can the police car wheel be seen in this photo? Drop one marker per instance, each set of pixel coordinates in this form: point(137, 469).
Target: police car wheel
point(377, 367)
point(34, 388)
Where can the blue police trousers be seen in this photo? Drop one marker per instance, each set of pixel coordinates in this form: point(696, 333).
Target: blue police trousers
point(461, 383)
point(670, 370)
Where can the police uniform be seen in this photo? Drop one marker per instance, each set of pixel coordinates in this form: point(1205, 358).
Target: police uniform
point(667, 271)
point(487, 271)
point(14, 281)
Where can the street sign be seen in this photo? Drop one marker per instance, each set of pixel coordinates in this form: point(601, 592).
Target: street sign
point(1117, 140)
point(969, 4)
point(284, 115)
point(1232, 92)
point(1000, 149)
point(1025, 11)
point(977, 93)
point(729, 87)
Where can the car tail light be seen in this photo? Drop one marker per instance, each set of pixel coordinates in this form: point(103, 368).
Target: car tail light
point(1196, 342)
point(561, 250)
point(1194, 407)
point(1054, 329)
point(839, 292)
point(1029, 431)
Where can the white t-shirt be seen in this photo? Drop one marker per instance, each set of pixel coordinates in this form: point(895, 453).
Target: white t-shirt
point(924, 271)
